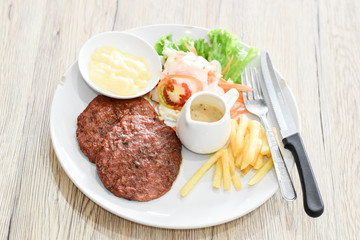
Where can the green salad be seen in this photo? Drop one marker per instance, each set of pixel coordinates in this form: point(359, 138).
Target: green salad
point(223, 47)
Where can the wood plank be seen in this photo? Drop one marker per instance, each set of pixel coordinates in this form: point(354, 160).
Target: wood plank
point(339, 98)
point(16, 64)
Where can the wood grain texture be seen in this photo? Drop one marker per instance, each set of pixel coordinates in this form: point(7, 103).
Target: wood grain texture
point(314, 44)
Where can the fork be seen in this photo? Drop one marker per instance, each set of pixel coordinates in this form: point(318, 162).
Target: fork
point(255, 104)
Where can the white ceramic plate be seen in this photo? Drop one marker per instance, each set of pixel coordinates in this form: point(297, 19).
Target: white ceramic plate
point(203, 207)
point(125, 42)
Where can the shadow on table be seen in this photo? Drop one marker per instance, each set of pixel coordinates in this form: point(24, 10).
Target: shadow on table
point(98, 221)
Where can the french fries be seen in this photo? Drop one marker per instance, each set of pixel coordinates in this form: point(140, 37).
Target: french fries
point(259, 162)
point(226, 170)
point(266, 167)
point(265, 150)
point(199, 173)
point(248, 149)
point(245, 170)
point(231, 161)
point(261, 172)
point(240, 156)
point(236, 181)
point(240, 134)
point(250, 153)
point(217, 174)
point(234, 127)
point(257, 151)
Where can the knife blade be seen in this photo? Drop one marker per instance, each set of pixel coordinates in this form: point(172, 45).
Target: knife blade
point(313, 203)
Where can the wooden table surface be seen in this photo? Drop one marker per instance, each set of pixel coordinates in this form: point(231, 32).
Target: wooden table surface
point(314, 44)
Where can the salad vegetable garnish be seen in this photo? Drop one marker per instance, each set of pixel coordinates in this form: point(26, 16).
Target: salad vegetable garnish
point(223, 46)
point(174, 90)
point(192, 65)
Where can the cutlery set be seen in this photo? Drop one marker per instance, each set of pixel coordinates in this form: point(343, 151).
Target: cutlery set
point(266, 84)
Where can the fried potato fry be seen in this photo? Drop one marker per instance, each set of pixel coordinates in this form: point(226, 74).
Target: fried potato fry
point(189, 185)
point(234, 127)
point(246, 170)
point(246, 150)
point(236, 181)
point(217, 174)
point(261, 172)
point(231, 161)
point(250, 153)
point(259, 162)
point(257, 152)
point(266, 167)
point(226, 170)
point(265, 150)
point(240, 134)
point(238, 161)
point(240, 156)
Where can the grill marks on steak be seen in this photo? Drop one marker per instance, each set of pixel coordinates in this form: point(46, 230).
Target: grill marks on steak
point(139, 158)
point(101, 115)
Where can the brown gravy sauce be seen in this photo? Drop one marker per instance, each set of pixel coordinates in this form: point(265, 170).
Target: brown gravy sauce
point(205, 112)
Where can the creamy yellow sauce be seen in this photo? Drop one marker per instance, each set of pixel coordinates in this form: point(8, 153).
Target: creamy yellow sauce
point(205, 113)
point(118, 72)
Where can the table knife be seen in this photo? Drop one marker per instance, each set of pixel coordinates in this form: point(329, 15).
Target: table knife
point(292, 140)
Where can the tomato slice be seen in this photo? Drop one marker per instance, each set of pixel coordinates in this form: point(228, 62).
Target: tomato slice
point(175, 90)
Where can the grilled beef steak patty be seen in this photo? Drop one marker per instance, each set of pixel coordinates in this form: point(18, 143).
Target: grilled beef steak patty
point(139, 158)
point(101, 115)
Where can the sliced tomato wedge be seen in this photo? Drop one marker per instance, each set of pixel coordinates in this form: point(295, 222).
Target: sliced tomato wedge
point(175, 90)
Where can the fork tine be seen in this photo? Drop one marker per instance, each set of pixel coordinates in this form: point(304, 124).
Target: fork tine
point(245, 76)
point(258, 84)
point(249, 82)
point(244, 81)
point(254, 94)
point(254, 83)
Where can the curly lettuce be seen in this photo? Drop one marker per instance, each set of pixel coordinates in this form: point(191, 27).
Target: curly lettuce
point(165, 42)
point(223, 45)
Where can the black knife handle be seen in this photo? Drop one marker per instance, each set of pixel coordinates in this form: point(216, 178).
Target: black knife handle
point(313, 203)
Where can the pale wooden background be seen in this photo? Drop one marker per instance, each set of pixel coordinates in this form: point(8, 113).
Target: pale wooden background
point(314, 44)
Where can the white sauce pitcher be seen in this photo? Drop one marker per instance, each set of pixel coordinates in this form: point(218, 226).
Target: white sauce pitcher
point(206, 137)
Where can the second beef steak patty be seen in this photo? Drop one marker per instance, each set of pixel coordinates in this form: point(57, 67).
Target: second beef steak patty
point(139, 159)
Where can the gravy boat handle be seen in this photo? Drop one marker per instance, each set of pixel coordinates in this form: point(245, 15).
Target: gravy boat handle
point(230, 97)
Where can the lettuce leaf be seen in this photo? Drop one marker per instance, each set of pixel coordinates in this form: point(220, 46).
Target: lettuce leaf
point(189, 40)
point(202, 48)
point(223, 45)
point(165, 42)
